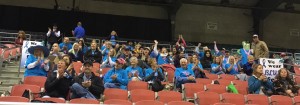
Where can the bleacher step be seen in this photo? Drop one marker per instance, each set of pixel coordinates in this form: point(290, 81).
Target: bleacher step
point(10, 80)
point(13, 73)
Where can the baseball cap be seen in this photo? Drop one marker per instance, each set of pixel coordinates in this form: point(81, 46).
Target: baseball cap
point(255, 35)
point(121, 61)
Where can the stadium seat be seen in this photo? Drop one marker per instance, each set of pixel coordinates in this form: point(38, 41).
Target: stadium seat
point(137, 85)
point(112, 93)
point(224, 82)
point(280, 100)
point(35, 80)
point(203, 81)
point(13, 99)
point(297, 100)
point(18, 90)
point(297, 70)
point(237, 99)
point(170, 69)
point(84, 101)
point(141, 94)
point(149, 102)
point(239, 82)
point(257, 99)
point(96, 68)
point(212, 76)
point(224, 104)
point(227, 77)
point(117, 102)
point(104, 71)
point(216, 88)
point(56, 100)
point(77, 67)
point(297, 79)
point(242, 89)
point(180, 103)
point(207, 98)
point(168, 96)
point(190, 88)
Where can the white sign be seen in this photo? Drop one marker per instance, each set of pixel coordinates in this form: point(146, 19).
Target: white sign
point(25, 53)
point(271, 66)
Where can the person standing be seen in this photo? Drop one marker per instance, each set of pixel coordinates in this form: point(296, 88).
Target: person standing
point(52, 36)
point(260, 48)
point(79, 31)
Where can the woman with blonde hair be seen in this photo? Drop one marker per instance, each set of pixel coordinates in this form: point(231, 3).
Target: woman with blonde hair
point(36, 63)
point(76, 53)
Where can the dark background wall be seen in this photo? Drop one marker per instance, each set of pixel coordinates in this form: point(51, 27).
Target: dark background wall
point(36, 19)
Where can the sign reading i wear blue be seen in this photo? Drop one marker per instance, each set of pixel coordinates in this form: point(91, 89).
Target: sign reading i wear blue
point(270, 66)
point(25, 53)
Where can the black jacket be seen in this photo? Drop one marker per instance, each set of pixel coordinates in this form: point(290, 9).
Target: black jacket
point(96, 88)
point(96, 57)
point(57, 87)
point(79, 56)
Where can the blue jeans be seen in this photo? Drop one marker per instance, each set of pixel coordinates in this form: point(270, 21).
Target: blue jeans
point(113, 85)
point(79, 92)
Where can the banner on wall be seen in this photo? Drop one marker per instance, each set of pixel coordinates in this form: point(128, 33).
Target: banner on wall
point(25, 53)
point(271, 66)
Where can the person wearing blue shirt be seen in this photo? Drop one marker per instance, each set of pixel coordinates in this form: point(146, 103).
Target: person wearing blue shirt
point(232, 67)
point(196, 66)
point(135, 72)
point(183, 74)
point(258, 83)
point(116, 77)
point(79, 31)
point(65, 44)
point(36, 64)
point(154, 72)
point(105, 49)
point(111, 58)
point(216, 66)
point(161, 57)
point(226, 58)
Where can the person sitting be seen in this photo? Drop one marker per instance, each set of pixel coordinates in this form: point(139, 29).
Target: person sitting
point(126, 55)
point(196, 66)
point(57, 56)
point(155, 75)
point(82, 45)
point(36, 63)
point(110, 61)
point(93, 54)
point(57, 84)
point(105, 49)
point(232, 67)
point(116, 77)
point(207, 60)
point(183, 74)
point(76, 53)
point(216, 66)
point(87, 85)
point(247, 68)
point(258, 83)
point(21, 37)
point(284, 84)
point(66, 44)
point(70, 67)
point(135, 72)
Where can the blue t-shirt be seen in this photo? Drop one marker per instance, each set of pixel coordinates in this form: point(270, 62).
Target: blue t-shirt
point(244, 54)
point(190, 66)
point(133, 70)
point(215, 70)
point(38, 70)
point(234, 69)
point(113, 40)
point(79, 32)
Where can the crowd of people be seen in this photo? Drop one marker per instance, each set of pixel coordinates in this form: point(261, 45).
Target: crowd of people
point(132, 61)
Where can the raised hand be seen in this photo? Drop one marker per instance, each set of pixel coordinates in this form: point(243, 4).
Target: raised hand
point(155, 41)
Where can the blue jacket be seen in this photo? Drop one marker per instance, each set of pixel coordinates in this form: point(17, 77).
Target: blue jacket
point(69, 46)
point(254, 85)
point(79, 32)
point(182, 75)
point(37, 70)
point(132, 70)
point(122, 78)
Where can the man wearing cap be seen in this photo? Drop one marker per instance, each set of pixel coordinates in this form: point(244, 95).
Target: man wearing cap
point(126, 55)
point(116, 77)
point(87, 85)
point(260, 48)
point(36, 64)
